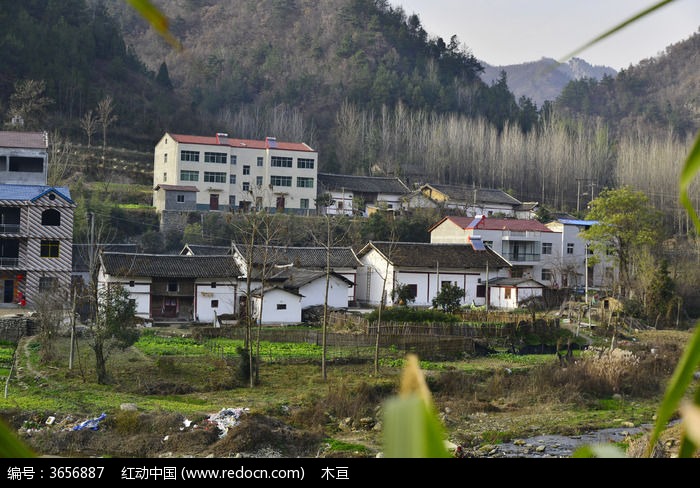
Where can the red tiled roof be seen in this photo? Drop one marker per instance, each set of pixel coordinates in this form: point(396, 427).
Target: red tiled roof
point(486, 223)
point(28, 140)
point(248, 143)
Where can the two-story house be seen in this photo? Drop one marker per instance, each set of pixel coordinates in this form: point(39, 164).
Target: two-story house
point(361, 195)
point(36, 222)
point(527, 244)
point(224, 173)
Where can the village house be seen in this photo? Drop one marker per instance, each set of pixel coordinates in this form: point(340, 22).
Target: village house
point(212, 173)
point(342, 260)
point(174, 288)
point(469, 201)
point(36, 222)
point(425, 268)
point(528, 245)
point(360, 195)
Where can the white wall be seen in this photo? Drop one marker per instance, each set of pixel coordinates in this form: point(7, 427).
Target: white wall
point(272, 313)
point(314, 293)
point(225, 293)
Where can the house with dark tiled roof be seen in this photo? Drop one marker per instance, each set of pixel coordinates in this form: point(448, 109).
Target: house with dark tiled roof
point(361, 195)
point(529, 245)
point(425, 268)
point(289, 291)
point(342, 260)
point(168, 288)
point(469, 201)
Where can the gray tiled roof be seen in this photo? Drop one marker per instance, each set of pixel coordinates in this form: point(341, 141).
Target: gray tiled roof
point(81, 253)
point(483, 195)
point(169, 266)
point(24, 140)
point(362, 184)
point(302, 257)
point(429, 255)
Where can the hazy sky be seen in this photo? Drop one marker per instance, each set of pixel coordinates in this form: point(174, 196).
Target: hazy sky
point(501, 32)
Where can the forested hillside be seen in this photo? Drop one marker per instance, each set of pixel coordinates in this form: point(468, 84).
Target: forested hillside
point(659, 94)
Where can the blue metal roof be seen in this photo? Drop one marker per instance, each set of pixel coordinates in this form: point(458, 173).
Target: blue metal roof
point(578, 222)
point(32, 192)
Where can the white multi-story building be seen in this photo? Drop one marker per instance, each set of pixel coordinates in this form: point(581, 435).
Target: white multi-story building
point(234, 174)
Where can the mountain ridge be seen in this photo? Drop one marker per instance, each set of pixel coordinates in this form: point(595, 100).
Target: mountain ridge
point(544, 79)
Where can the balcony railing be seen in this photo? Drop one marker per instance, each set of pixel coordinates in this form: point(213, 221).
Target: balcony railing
point(9, 262)
point(9, 228)
point(522, 256)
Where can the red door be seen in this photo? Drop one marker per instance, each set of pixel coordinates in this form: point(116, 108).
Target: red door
point(214, 201)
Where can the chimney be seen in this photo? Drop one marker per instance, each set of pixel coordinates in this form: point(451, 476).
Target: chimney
point(221, 137)
point(270, 142)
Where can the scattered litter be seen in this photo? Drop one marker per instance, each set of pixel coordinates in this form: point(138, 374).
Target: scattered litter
point(187, 422)
point(50, 420)
point(91, 423)
point(227, 418)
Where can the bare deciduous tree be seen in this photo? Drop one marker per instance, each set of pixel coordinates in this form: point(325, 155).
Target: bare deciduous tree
point(88, 123)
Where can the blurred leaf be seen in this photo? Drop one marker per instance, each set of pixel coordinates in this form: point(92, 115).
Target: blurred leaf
point(677, 387)
point(156, 18)
point(617, 28)
point(690, 169)
point(411, 426)
point(10, 446)
point(599, 451)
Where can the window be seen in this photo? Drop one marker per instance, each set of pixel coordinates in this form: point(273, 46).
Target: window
point(546, 275)
point(570, 248)
point(213, 177)
point(260, 161)
point(259, 181)
point(507, 293)
point(49, 249)
point(213, 284)
point(132, 283)
point(546, 248)
point(165, 157)
point(280, 162)
point(232, 179)
point(189, 175)
point(48, 283)
point(281, 180)
point(234, 159)
point(214, 157)
point(246, 170)
point(305, 182)
point(214, 303)
point(305, 163)
point(304, 203)
point(172, 286)
point(480, 291)
point(281, 306)
point(181, 198)
point(443, 284)
point(189, 156)
point(51, 217)
point(165, 176)
point(246, 186)
point(232, 200)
